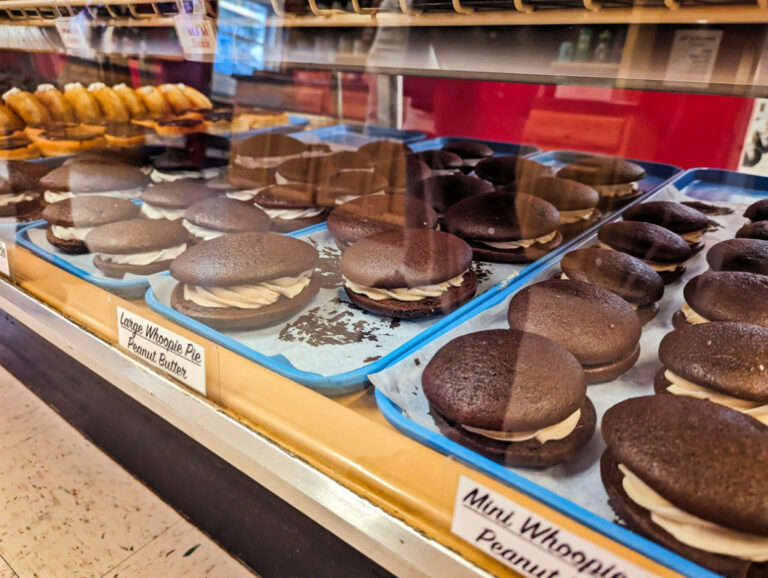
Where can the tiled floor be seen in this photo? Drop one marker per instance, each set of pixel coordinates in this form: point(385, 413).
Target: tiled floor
point(66, 509)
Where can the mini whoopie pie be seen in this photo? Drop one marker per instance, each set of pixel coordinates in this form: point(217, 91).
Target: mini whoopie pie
point(313, 170)
point(691, 476)
point(616, 180)
point(290, 207)
point(516, 397)
point(504, 227)
point(216, 216)
point(665, 251)
point(93, 178)
point(600, 328)
point(687, 222)
point(724, 296)
point(623, 274)
point(440, 161)
point(71, 220)
point(508, 169)
point(365, 216)
point(471, 152)
point(409, 273)
point(442, 191)
point(756, 230)
point(137, 246)
point(750, 255)
point(171, 200)
point(245, 184)
point(350, 185)
point(719, 361)
point(757, 211)
point(266, 150)
point(576, 202)
point(245, 280)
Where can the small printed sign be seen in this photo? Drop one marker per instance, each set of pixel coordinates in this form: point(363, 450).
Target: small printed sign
point(73, 31)
point(693, 55)
point(197, 36)
point(528, 543)
point(5, 267)
point(166, 350)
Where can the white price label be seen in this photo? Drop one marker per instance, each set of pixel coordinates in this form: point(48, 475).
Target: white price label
point(73, 31)
point(693, 55)
point(166, 350)
point(197, 36)
point(528, 543)
point(5, 267)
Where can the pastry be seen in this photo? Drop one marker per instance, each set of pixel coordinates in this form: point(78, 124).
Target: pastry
point(196, 99)
point(690, 475)
point(136, 246)
point(401, 172)
point(365, 216)
point(93, 178)
point(191, 162)
point(23, 176)
point(313, 170)
point(27, 107)
point(471, 152)
point(18, 148)
point(750, 255)
point(757, 211)
point(627, 276)
point(136, 156)
point(266, 150)
point(246, 183)
point(84, 103)
point(156, 105)
point(510, 168)
point(65, 140)
point(257, 120)
point(616, 180)
point(344, 161)
point(19, 190)
point(441, 162)
point(756, 230)
point(218, 121)
point(409, 273)
point(689, 223)
point(10, 123)
point(245, 280)
point(505, 228)
point(724, 296)
point(290, 207)
point(442, 191)
point(58, 108)
point(344, 187)
point(132, 102)
point(126, 135)
point(383, 150)
point(175, 97)
point(111, 104)
point(170, 200)
point(71, 220)
point(665, 251)
point(600, 328)
point(179, 126)
point(515, 397)
point(217, 216)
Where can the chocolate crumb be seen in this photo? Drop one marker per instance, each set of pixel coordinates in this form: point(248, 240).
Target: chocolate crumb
point(336, 327)
point(370, 359)
point(329, 268)
point(483, 271)
point(417, 362)
point(708, 209)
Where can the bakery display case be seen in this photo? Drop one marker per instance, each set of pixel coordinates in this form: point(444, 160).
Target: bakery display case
point(474, 286)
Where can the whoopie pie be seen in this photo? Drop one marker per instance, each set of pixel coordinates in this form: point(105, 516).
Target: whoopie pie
point(313, 170)
point(171, 200)
point(757, 211)
point(756, 230)
point(246, 183)
point(349, 185)
point(291, 207)
point(409, 273)
point(515, 397)
point(616, 180)
point(344, 161)
point(440, 161)
point(110, 179)
point(442, 191)
point(471, 152)
point(266, 150)
point(217, 216)
point(687, 222)
point(245, 280)
point(401, 172)
point(507, 169)
point(750, 255)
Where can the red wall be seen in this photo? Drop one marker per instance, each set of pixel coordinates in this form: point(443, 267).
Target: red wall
point(688, 130)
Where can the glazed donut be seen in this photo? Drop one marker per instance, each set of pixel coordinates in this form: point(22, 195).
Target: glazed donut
point(154, 101)
point(27, 107)
point(131, 101)
point(111, 104)
point(195, 97)
point(9, 121)
point(84, 103)
point(175, 97)
point(58, 107)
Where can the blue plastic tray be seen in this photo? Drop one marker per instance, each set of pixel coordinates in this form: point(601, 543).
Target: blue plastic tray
point(706, 184)
point(353, 135)
point(499, 148)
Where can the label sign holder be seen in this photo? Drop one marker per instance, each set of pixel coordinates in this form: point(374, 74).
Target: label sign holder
point(196, 32)
point(5, 267)
point(75, 34)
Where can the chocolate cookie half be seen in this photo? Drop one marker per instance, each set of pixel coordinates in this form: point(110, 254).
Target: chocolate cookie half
point(616, 180)
point(597, 326)
point(291, 207)
point(216, 216)
point(687, 222)
point(507, 169)
point(171, 200)
point(245, 280)
point(750, 255)
point(515, 397)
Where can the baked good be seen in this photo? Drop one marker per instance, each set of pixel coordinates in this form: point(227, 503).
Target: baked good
point(471, 152)
point(18, 148)
point(576, 202)
point(440, 161)
point(627, 276)
point(10, 123)
point(290, 207)
point(517, 398)
point(756, 230)
point(135, 156)
point(178, 126)
point(126, 135)
point(171, 200)
point(266, 150)
point(724, 296)
point(442, 191)
point(401, 172)
point(111, 104)
point(665, 251)
point(383, 150)
point(132, 102)
point(175, 97)
point(507, 169)
point(246, 183)
point(600, 328)
point(217, 216)
point(22, 176)
point(196, 99)
point(156, 105)
point(365, 216)
point(757, 211)
point(312, 170)
point(19, 204)
point(69, 139)
point(58, 108)
point(687, 222)
point(93, 178)
point(409, 273)
point(616, 180)
point(505, 228)
point(258, 119)
point(343, 161)
point(750, 255)
point(218, 120)
point(690, 475)
point(27, 107)
point(343, 187)
point(19, 188)
point(84, 103)
point(245, 280)
point(71, 220)
point(189, 162)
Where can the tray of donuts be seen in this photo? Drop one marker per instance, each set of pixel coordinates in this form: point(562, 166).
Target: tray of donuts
point(625, 379)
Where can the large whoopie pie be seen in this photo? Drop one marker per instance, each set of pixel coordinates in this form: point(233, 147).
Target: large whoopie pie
point(616, 180)
point(349, 185)
point(687, 222)
point(245, 280)
point(111, 179)
point(248, 182)
point(440, 161)
point(505, 227)
point(690, 475)
point(750, 255)
point(217, 216)
point(442, 191)
point(515, 397)
point(20, 187)
point(623, 274)
point(600, 328)
point(266, 150)
point(171, 200)
point(291, 207)
point(757, 211)
point(401, 172)
point(665, 251)
point(408, 273)
point(315, 170)
point(344, 161)
point(471, 152)
point(507, 169)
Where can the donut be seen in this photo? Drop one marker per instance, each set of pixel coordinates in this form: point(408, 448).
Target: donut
point(131, 100)
point(84, 103)
point(111, 104)
point(58, 107)
point(9, 120)
point(195, 97)
point(175, 98)
point(157, 106)
point(27, 107)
